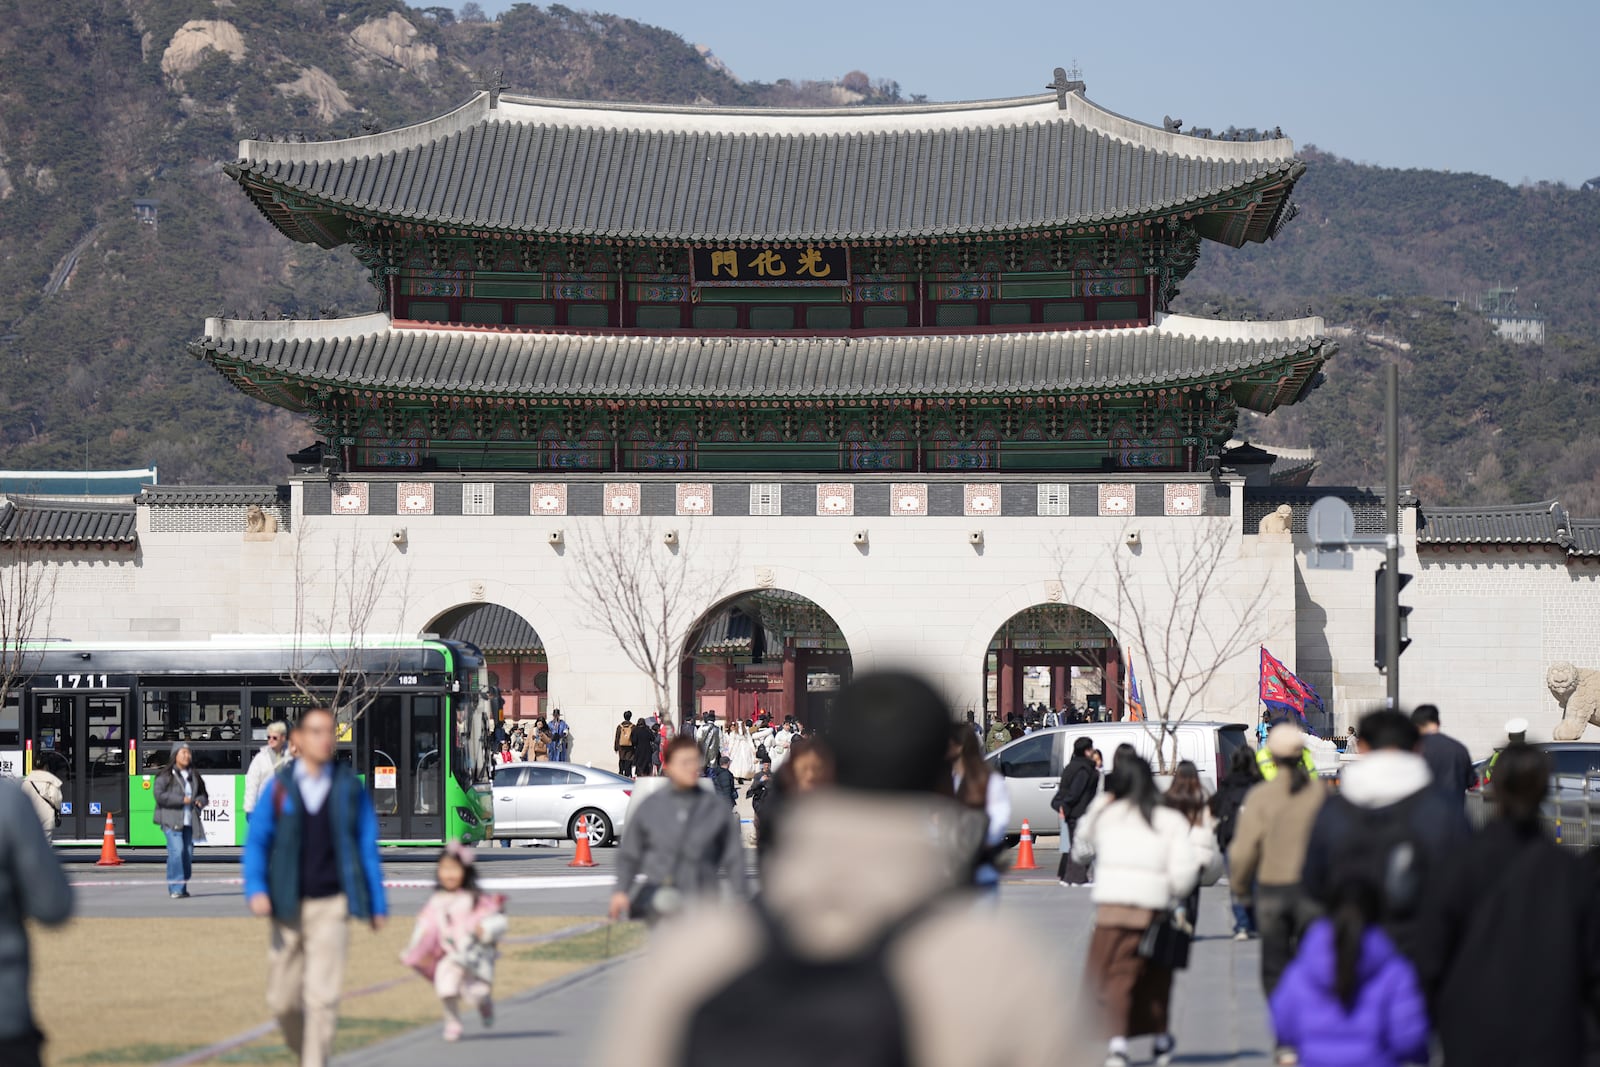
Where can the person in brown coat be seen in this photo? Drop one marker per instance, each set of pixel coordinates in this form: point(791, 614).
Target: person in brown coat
point(1269, 851)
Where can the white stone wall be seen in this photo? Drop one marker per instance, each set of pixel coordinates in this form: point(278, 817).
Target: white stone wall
point(918, 595)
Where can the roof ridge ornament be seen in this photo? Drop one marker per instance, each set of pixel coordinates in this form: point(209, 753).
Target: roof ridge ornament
point(494, 84)
point(1067, 81)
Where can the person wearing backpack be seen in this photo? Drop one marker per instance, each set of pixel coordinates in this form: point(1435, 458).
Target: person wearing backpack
point(1266, 859)
point(622, 744)
point(1389, 825)
point(1350, 999)
point(865, 932)
point(1512, 937)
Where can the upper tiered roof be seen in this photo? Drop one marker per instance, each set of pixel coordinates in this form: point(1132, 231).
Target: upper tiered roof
point(515, 165)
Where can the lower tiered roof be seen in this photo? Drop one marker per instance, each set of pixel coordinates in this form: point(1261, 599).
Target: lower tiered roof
point(290, 363)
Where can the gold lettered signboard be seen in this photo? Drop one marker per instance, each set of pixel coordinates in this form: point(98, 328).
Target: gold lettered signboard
point(804, 265)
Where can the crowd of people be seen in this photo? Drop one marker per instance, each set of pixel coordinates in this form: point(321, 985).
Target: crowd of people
point(1390, 930)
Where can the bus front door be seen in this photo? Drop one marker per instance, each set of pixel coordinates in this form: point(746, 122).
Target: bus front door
point(82, 739)
point(404, 766)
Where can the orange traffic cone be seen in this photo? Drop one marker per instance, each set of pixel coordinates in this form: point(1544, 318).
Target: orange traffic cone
point(108, 847)
point(583, 857)
point(1025, 851)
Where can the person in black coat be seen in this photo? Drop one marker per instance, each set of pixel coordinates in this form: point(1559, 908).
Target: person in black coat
point(1512, 940)
point(645, 741)
point(1243, 775)
point(1446, 757)
point(1080, 781)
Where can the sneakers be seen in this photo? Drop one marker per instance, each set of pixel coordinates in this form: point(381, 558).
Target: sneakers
point(1116, 1059)
point(177, 896)
point(1163, 1049)
point(1286, 1057)
point(452, 1031)
point(1241, 935)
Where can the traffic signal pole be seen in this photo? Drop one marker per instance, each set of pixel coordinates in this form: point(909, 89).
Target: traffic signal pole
point(1391, 505)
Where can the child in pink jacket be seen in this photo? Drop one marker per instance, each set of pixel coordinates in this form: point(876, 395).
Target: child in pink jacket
point(454, 941)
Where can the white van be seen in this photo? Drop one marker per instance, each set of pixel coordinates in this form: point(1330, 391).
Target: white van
point(1032, 763)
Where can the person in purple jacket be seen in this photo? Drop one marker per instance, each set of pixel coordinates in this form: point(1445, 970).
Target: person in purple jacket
point(1350, 999)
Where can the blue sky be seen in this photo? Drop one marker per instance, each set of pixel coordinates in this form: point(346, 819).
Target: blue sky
point(1498, 88)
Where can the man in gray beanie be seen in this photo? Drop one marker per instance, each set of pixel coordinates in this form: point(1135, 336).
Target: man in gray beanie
point(867, 878)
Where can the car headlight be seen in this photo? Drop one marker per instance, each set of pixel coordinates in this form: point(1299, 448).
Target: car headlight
point(467, 815)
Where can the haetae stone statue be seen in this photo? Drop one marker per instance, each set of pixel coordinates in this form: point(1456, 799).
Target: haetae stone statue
point(1277, 523)
point(1577, 690)
point(259, 525)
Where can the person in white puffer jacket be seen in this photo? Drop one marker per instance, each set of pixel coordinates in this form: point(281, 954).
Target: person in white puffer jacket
point(1144, 865)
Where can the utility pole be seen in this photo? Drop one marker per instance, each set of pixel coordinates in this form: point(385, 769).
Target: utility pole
point(1391, 505)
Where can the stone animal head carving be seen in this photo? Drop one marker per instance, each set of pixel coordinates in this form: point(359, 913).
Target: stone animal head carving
point(1562, 679)
point(255, 520)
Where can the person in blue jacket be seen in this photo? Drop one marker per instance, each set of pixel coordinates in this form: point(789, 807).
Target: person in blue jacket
point(310, 864)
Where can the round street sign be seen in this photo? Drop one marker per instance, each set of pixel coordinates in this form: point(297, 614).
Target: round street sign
point(1331, 522)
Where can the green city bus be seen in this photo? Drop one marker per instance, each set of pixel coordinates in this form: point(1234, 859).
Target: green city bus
point(104, 718)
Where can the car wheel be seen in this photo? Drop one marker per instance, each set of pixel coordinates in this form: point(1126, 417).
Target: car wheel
point(598, 826)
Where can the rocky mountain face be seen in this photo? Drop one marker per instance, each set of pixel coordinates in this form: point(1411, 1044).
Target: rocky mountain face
point(119, 233)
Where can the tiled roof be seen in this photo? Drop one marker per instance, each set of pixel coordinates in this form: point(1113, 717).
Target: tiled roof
point(172, 495)
point(1500, 524)
point(371, 352)
point(1585, 537)
point(496, 630)
point(729, 632)
point(42, 522)
point(717, 174)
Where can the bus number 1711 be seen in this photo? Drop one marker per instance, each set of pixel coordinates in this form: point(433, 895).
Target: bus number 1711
point(80, 681)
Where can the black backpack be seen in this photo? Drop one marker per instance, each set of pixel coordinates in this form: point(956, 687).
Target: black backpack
point(841, 1012)
point(1381, 847)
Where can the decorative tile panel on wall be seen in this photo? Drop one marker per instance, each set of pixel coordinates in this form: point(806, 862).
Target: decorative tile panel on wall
point(547, 498)
point(621, 498)
point(1116, 499)
point(908, 498)
point(694, 498)
point(981, 499)
point(414, 498)
point(477, 498)
point(210, 518)
point(766, 498)
point(348, 498)
point(1184, 500)
point(1053, 499)
point(836, 498)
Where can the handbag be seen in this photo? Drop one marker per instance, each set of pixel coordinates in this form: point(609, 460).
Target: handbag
point(1165, 943)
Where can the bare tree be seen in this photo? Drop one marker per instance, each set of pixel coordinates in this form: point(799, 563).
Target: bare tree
point(641, 591)
point(340, 599)
point(1182, 628)
point(27, 599)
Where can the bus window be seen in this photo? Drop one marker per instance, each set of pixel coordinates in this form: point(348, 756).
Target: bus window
point(208, 720)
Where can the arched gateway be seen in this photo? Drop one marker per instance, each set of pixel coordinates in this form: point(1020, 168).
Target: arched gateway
point(512, 650)
point(1057, 655)
point(769, 651)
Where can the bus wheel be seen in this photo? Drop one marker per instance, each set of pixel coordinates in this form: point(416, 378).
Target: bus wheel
point(597, 824)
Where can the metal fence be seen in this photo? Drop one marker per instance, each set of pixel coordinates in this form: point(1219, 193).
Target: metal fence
point(1571, 815)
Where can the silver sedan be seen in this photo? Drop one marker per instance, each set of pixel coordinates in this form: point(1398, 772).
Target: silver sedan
point(546, 800)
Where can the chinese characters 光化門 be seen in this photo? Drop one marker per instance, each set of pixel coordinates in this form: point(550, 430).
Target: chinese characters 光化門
point(808, 265)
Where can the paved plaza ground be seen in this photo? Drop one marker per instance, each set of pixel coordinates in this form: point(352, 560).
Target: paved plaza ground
point(1219, 1014)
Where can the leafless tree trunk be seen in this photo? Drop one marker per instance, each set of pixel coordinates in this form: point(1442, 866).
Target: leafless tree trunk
point(27, 602)
point(640, 590)
point(340, 599)
point(1181, 629)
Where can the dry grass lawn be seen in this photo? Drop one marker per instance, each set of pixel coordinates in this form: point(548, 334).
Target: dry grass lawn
point(140, 991)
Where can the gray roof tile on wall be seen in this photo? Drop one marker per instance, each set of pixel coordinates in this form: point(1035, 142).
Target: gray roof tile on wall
point(190, 495)
point(495, 629)
point(62, 523)
point(1500, 524)
point(706, 174)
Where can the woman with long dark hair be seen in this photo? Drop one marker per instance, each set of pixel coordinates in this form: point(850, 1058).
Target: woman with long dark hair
point(1144, 865)
point(1187, 796)
point(1511, 943)
point(1350, 999)
point(976, 787)
point(1243, 775)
